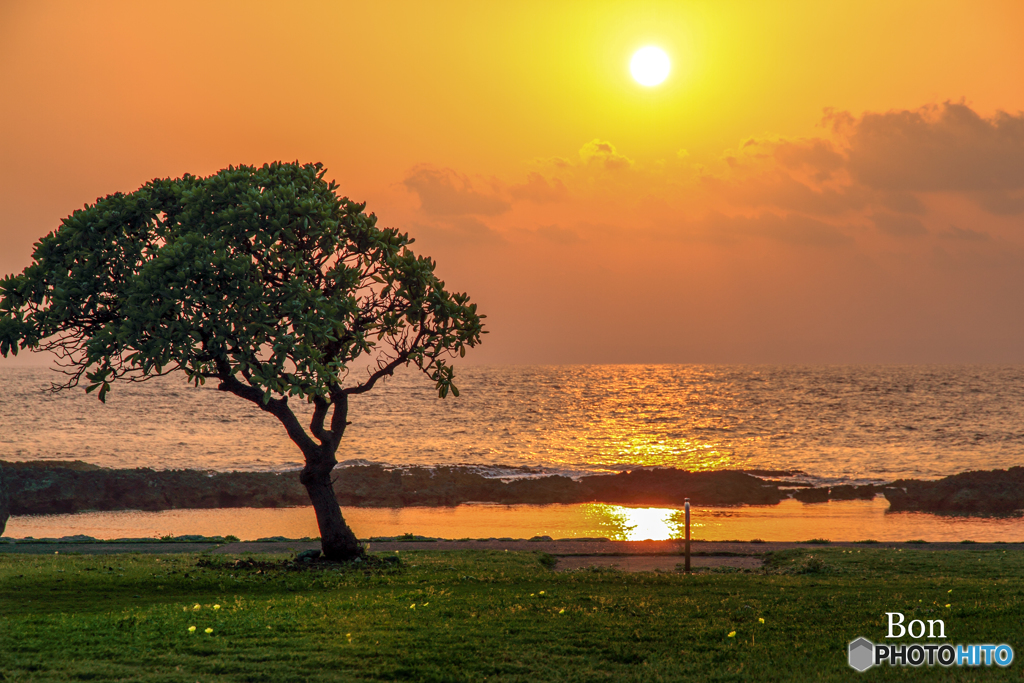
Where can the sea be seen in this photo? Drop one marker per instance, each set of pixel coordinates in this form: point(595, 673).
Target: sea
point(823, 424)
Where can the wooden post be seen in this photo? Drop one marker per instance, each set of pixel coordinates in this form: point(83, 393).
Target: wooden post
point(686, 566)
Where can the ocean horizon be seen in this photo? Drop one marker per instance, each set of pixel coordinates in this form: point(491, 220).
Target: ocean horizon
point(831, 424)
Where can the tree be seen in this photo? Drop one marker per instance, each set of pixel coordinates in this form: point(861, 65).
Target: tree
point(264, 280)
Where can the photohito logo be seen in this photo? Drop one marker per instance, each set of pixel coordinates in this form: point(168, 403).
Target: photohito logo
point(863, 654)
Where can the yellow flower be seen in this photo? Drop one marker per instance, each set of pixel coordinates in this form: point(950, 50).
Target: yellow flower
point(195, 606)
point(561, 611)
point(425, 604)
point(542, 592)
point(947, 605)
point(761, 619)
point(191, 629)
point(951, 590)
point(732, 634)
point(209, 630)
point(348, 635)
point(216, 607)
point(532, 595)
point(412, 606)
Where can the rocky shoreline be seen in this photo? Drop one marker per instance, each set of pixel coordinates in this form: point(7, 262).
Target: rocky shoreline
point(60, 487)
point(992, 492)
point(43, 487)
point(5, 502)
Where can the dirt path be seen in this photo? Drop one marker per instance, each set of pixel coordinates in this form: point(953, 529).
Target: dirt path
point(651, 563)
point(605, 547)
point(632, 556)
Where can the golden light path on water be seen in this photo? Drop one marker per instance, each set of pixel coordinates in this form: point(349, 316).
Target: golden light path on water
point(790, 520)
point(682, 453)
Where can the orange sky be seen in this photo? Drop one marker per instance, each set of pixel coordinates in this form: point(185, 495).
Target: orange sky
point(815, 182)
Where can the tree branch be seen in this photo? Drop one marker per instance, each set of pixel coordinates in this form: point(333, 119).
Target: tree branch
point(339, 420)
point(276, 407)
point(389, 369)
point(385, 371)
point(316, 425)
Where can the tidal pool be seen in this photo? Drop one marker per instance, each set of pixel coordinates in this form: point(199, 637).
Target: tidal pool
point(790, 520)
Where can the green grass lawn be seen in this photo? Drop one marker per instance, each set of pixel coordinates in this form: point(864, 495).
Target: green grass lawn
point(471, 616)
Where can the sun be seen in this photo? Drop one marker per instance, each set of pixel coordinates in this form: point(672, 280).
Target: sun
point(649, 66)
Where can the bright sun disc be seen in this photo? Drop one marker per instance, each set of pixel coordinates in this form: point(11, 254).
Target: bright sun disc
point(649, 66)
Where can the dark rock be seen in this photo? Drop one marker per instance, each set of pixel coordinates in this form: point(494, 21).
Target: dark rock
point(815, 495)
point(554, 489)
point(57, 487)
point(773, 473)
point(307, 556)
point(824, 494)
point(672, 487)
point(5, 503)
point(848, 492)
point(993, 492)
point(60, 487)
point(375, 486)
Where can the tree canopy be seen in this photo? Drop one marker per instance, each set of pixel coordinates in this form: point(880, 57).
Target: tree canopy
point(264, 279)
point(262, 274)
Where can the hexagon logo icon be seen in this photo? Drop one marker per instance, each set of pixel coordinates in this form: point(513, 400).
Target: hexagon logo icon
point(862, 654)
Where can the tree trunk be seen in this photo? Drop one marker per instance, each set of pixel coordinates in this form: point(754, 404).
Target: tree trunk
point(5, 503)
point(336, 539)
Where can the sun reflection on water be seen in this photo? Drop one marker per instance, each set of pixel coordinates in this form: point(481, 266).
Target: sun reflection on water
point(621, 523)
point(645, 450)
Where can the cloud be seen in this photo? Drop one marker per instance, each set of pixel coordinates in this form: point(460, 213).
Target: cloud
point(940, 148)
point(461, 231)
point(557, 234)
point(444, 192)
point(898, 225)
point(539, 190)
point(902, 202)
point(881, 164)
point(820, 155)
point(802, 175)
point(775, 187)
point(1001, 203)
point(965, 234)
point(874, 176)
point(601, 154)
point(789, 229)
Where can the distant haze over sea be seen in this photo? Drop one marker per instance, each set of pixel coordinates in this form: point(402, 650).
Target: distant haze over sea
point(836, 423)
